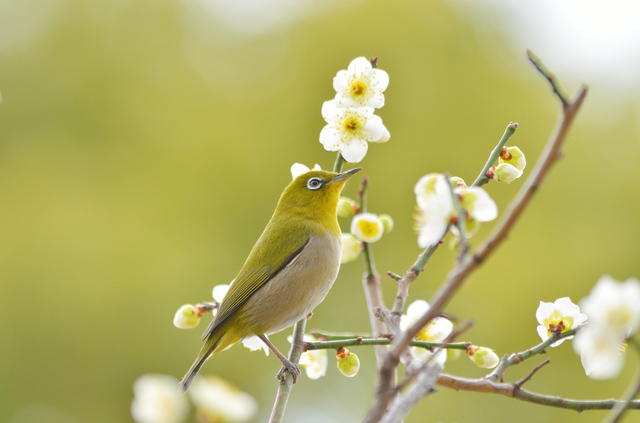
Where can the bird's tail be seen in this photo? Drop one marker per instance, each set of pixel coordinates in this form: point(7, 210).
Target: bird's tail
point(209, 349)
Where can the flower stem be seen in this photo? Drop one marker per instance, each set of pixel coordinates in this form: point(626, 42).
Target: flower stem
point(516, 358)
point(337, 166)
point(482, 177)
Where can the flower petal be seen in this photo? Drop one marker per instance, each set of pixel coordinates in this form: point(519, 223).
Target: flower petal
point(355, 151)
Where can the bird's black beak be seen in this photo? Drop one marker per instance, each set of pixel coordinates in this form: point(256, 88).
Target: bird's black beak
point(346, 175)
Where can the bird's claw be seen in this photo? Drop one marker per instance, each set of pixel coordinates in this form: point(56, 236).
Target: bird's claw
point(288, 366)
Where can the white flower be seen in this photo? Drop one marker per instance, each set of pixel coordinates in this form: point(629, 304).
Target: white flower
point(614, 314)
point(513, 156)
point(367, 227)
point(477, 203)
point(360, 85)
point(219, 292)
point(187, 317)
point(483, 357)
point(601, 353)
point(387, 222)
point(437, 330)
point(614, 306)
point(435, 207)
point(218, 400)
point(504, 173)
point(253, 342)
point(351, 248)
point(349, 130)
point(315, 362)
point(298, 169)
point(158, 399)
point(558, 317)
point(436, 211)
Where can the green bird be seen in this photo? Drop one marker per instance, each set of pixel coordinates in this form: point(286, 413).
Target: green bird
point(288, 272)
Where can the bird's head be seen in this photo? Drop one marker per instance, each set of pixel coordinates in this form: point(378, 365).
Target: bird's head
point(315, 194)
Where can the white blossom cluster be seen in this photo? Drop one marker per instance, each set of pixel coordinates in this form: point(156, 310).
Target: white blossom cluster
point(611, 316)
point(351, 124)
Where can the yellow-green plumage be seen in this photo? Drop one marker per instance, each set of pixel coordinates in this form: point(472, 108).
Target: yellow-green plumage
point(289, 270)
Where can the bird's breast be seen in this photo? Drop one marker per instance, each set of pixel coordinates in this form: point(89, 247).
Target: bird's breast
point(297, 289)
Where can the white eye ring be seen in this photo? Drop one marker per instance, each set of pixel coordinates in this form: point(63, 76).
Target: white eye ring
point(314, 183)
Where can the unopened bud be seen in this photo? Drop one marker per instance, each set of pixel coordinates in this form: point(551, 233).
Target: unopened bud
point(483, 357)
point(504, 172)
point(348, 363)
point(347, 207)
point(387, 222)
point(513, 156)
point(187, 317)
point(351, 248)
point(457, 181)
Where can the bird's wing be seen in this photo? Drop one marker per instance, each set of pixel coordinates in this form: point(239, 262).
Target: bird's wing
point(255, 273)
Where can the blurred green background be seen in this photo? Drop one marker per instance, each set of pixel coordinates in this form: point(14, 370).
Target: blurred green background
point(144, 144)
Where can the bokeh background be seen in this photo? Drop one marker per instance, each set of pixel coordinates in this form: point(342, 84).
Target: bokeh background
point(144, 144)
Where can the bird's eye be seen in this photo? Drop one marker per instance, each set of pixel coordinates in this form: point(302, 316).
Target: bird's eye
point(314, 183)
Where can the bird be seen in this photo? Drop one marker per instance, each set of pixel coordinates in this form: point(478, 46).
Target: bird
point(288, 272)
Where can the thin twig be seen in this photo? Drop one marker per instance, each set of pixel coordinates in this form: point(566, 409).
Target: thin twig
point(371, 282)
point(482, 177)
point(337, 166)
point(284, 387)
point(516, 358)
point(488, 386)
point(530, 375)
point(359, 341)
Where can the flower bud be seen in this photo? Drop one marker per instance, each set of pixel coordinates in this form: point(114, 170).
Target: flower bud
point(367, 227)
point(351, 248)
point(504, 172)
point(457, 182)
point(347, 207)
point(513, 156)
point(348, 363)
point(187, 317)
point(483, 357)
point(387, 222)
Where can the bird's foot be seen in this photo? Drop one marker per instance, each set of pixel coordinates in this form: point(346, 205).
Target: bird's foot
point(288, 366)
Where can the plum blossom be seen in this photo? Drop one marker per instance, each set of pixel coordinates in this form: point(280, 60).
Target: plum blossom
point(558, 317)
point(437, 330)
point(360, 85)
point(350, 130)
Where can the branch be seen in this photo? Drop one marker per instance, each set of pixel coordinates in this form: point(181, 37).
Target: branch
point(551, 154)
point(354, 342)
point(517, 358)
point(371, 283)
point(423, 386)
point(482, 177)
point(284, 388)
point(512, 390)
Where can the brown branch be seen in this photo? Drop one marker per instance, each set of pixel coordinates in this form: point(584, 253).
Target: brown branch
point(385, 389)
point(512, 390)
